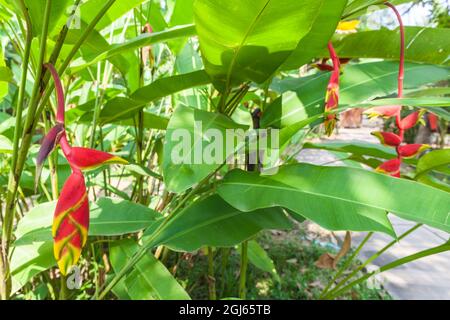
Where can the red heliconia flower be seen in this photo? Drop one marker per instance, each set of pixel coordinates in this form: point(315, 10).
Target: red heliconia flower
point(412, 150)
point(71, 218)
point(433, 120)
point(388, 138)
point(332, 96)
point(385, 111)
point(87, 159)
point(391, 167)
point(70, 222)
point(410, 121)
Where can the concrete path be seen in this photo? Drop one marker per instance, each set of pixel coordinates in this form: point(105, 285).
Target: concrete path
point(427, 278)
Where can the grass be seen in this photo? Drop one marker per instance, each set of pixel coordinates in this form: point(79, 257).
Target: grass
point(294, 257)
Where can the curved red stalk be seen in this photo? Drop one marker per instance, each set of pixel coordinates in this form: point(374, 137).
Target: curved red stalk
point(332, 96)
point(59, 93)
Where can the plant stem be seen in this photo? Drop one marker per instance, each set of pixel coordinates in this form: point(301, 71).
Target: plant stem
point(347, 263)
point(63, 289)
point(372, 258)
point(243, 271)
point(211, 278)
point(442, 248)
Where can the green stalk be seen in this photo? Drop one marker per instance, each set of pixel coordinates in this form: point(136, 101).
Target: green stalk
point(243, 271)
point(442, 248)
point(372, 258)
point(347, 263)
point(14, 178)
point(211, 278)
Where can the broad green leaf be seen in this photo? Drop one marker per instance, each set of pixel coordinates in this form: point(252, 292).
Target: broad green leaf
point(189, 133)
point(95, 44)
point(140, 41)
point(183, 13)
point(89, 9)
point(433, 160)
point(428, 179)
point(245, 40)
point(317, 38)
point(150, 121)
point(28, 261)
point(321, 194)
point(149, 279)
point(260, 259)
point(58, 11)
point(358, 148)
point(360, 83)
point(423, 45)
point(108, 217)
point(339, 198)
point(213, 222)
point(124, 108)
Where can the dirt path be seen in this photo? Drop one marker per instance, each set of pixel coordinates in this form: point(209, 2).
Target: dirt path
point(428, 278)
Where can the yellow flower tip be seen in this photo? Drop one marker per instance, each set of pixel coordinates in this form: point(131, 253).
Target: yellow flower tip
point(348, 25)
point(68, 259)
point(118, 160)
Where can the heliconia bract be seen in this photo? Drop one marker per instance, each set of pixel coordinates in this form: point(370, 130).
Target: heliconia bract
point(410, 121)
point(71, 217)
point(388, 138)
point(412, 150)
point(391, 167)
point(332, 95)
point(70, 222)
point(384, 111)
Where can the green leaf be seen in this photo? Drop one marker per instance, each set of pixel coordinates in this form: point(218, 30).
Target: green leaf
point(240, 39)
point(317, 38)
point(423, 45)
point(339, 198)
point(186, 143)
point(112, 217)
point(124, 108)
point(58, 14)
point(360, 83)
point(433, 160)
point(316, 193)
point(213, 222)
point(89, 9)
point(150, 121)
point(149, 279)
point(140, 41)
point(260, 259)
point(108, 217)
point(358, 148)
point(28, 261)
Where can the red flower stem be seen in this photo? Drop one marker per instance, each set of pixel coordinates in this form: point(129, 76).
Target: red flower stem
point(59, 93)
point(334, 57)
point(401, 72)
